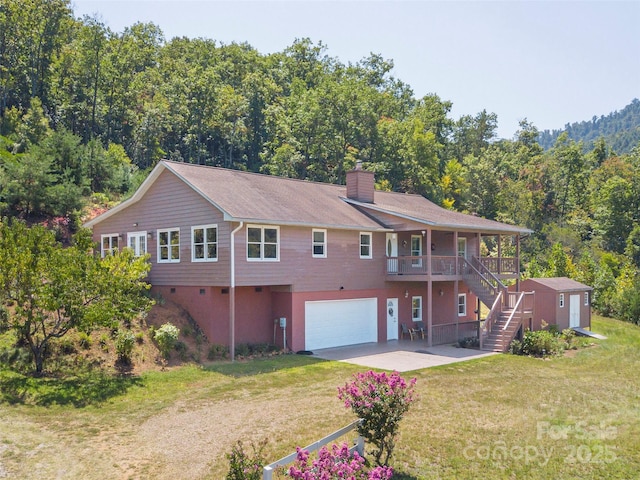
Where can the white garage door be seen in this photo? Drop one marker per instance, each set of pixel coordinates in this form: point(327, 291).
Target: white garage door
point(336, 323)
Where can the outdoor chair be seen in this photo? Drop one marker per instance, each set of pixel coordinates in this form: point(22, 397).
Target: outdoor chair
point(420, 330)
point(407, 331)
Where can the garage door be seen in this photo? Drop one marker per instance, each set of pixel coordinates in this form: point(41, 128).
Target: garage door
point(340, 322)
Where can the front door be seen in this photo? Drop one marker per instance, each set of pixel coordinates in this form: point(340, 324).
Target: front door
point(416, 250)
point(462, 247)
point(574, 311)
point(392, 318)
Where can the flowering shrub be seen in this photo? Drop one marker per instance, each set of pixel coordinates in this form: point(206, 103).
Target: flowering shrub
point(166, 337)
point(335, 464)
point(380, 400)
point(244, 466)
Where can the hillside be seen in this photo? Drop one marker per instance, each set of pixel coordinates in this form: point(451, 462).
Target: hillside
point(620, 130)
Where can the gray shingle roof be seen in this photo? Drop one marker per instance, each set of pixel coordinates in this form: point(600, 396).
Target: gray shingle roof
point(269, 199)
point(563, 284)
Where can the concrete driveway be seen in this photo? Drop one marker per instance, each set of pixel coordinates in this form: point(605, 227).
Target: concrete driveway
point(400, 355)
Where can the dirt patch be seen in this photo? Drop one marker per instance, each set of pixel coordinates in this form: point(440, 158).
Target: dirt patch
point(192, 345)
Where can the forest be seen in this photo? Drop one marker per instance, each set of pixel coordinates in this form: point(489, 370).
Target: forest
point(85, 112)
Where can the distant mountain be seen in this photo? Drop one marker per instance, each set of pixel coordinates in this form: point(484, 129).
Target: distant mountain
point(620, 130)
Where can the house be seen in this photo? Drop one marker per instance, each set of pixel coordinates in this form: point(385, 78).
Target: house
point(257, 258)
point(559, 301)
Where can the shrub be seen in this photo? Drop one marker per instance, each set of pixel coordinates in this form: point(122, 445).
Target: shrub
point(242, 350)
point(217, 351)
point(166, 336)
point(84, 339)
point(181, 348)
point(336, 463)
point(140, 338)
point(243, 466)
point(104, 342)
point(380, 400)
point(124, 345)
point(469, 342)
point(540, 343)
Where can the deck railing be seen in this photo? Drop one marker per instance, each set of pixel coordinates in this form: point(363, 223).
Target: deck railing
point(418, 265)
point(448, 265)
point(453, 332)
point(500, 265)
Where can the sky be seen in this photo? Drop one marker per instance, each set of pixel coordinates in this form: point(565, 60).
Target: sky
point(550, 62)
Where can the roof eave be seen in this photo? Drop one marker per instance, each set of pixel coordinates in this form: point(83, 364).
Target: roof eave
point(472, 228)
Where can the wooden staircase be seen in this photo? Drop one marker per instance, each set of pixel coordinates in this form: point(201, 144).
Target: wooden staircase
point(507, 308)
point(499, 338)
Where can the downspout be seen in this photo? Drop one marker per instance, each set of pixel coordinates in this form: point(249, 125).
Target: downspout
point(429, 292)
point(232, 295)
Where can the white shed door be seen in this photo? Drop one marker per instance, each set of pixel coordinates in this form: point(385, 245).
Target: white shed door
point(574, 311)
point(335, 323)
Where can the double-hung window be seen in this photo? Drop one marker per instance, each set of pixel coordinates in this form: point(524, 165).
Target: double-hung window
point(137, 242)
point(204, 243)
point(586, 298)
point(462, 304)
point(416, 309)
point(169, 245)
point(319, 243)
point(109, 244)
point(263, 243)
point(561, 299)
point(365, 245)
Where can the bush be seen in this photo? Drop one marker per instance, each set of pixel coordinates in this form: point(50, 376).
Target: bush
point(380, 400)
point(181, 348)
point(166, 337)
point(84, 339)
point(540, 343)
point(217, 352)
point(243, 466)
point(140, 338)
point(125, 341)
point(469, 342)
point(336, 463)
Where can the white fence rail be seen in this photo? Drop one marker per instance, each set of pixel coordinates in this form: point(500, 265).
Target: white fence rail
point(267, 472)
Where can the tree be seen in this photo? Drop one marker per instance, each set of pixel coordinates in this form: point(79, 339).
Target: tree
point(52, 289)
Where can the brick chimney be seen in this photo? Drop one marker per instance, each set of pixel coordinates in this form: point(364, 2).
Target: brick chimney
point(360, 184)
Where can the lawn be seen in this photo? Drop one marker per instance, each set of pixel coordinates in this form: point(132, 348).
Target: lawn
point(499, 417)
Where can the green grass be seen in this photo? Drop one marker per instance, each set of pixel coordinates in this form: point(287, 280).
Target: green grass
point(498, 417)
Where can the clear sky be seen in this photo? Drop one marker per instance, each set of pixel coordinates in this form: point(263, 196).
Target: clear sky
point(551, 62)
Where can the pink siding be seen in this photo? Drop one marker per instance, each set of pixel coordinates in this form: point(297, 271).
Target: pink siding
point(171, 203)
point(254, 319)
point(343, 266)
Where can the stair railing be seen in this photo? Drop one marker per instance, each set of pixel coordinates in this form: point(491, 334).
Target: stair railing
point(488, 274)
point(484, 287)
point(491, 319)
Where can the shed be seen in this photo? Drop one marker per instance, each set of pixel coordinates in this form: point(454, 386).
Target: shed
point(559, 301)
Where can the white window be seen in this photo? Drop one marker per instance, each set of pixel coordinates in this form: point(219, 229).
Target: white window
point(263, 243)
point(586, 298)
point(561, 300)
point(319, 243)
point(365, 245)
point(109, 244)
point(416, 309)
point(462, 304)
point(169, 245)
point(137, 242)
point(204, 243)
